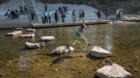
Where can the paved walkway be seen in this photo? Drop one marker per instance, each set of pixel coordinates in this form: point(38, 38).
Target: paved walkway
point(38, 7)
point(90, 12)
point(5, 22)
point(29, 5)
point(12, 4)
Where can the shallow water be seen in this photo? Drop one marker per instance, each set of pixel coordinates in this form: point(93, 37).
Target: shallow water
point(122, 40)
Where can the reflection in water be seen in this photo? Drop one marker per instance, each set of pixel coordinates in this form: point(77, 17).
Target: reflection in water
point(108, 38)
point(120, 40)
point(108, 43)
point(22, 63)
point(93, 36)
point(1, 70)
point(79, 39)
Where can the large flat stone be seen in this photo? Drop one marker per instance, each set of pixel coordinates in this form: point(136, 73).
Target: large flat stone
point(97, 51)
point(113, 71)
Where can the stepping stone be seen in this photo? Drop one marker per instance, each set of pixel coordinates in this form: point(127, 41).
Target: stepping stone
point(47, 38)
point(97, 51)
point(113, 71)
point(30, 30)
point(14, 33)
point(31, 45)
point(62, 50)
point(27, 36)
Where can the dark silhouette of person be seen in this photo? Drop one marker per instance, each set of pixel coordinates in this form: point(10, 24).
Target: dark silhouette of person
point(49, 16)
point(106, 14)
point(32, 15)
point(83, 14)
point(43, 19)
point(46, 7)
point(16, 13)
point(25, 10)
point(98, 14)
point(56, 16)
point(63, 16)
point(73, 16)
point(13, 14)
point(21, 9)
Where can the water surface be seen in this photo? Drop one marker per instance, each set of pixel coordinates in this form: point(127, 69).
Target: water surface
point(122, 40)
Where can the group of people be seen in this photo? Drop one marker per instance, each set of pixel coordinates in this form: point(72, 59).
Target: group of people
point(23, 10)
point(60, 15)
point(60, 12)
point(46, 18)
point(118, 14)
point(14, 13)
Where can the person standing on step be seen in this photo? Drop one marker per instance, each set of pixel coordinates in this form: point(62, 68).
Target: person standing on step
point(49, 16)
point(118, 14)
point(63, 17)
point(73, 16)
point(80, 15)
point(25, 9)
point(21, 10)
point(83, 15)
point(98, 14)
point(46, 16)
point(16, 13)
point(32, 15)
point(43, 19)
point(13, 14)
point(106, 14)
point(56, 16)
point(45, 7)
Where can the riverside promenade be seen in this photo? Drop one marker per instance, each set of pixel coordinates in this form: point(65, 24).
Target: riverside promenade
point(38, 8)
point(6, 22)
point(90, 15)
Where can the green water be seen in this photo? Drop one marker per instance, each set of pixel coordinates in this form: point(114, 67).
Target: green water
point(122, 40)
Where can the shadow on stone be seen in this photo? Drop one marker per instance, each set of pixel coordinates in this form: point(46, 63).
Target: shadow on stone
point(94, 58)
point(62, 59)
point(96, 76)
point(53, 55)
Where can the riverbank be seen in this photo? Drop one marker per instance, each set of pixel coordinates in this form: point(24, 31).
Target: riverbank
point(129, 6)
point(25, 20)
